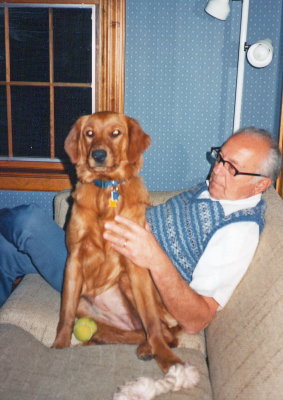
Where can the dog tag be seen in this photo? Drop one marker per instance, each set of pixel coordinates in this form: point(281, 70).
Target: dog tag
point(114, 198)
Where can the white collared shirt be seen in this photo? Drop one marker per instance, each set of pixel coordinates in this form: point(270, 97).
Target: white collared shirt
point(228, 254)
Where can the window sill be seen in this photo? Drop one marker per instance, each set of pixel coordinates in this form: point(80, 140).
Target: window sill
point(36, 176)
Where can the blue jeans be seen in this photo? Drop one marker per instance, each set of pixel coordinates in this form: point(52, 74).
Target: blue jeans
point(30, 243)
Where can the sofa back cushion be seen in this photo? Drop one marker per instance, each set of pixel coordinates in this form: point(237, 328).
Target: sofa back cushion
point(244, 342)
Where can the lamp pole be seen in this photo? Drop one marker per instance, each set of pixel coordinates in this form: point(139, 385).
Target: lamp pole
point(241, 65)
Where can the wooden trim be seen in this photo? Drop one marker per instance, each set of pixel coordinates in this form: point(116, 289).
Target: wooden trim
point(91, 2)
point(38, 176)
point(8, 87)
point(279, 183)
point(111, 56)
point(35, 182)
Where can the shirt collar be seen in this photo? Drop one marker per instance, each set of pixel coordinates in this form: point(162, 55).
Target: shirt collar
point(247, 202)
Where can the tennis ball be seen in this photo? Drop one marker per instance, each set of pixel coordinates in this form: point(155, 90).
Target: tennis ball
point(84, 329)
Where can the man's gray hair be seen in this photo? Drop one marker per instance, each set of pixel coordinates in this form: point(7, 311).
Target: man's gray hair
point(271, 166)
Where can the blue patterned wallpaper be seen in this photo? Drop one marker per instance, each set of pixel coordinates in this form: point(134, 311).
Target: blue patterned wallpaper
point(263, 87)
point(13, 198)
point(181, 67)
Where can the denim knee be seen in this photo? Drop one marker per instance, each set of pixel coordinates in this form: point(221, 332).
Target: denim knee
point(29, 217)
point(12, 265)
point(18, 223)
point(36, 235)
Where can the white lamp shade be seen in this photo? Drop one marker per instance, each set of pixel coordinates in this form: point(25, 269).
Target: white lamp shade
point(260, 54)
point(219, 9)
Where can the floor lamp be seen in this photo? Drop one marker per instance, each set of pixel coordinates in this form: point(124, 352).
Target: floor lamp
point(259, 54)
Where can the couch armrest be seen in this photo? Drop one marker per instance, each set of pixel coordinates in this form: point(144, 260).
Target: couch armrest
point(62, 205)
point(244, 341)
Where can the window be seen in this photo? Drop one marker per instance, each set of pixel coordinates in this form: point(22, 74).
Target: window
point(57, 65)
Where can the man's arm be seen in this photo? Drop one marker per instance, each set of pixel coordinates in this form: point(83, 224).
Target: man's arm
point(193, 311)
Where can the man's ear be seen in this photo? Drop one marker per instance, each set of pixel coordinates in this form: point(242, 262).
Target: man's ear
point(262, 185)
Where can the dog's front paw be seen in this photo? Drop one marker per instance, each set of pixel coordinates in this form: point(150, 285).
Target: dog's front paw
point(60, 344)
point(61, 341)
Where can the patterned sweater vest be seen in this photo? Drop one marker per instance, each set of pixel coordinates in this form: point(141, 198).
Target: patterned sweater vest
point(184, 225)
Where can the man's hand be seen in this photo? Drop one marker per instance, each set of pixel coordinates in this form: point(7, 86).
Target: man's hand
point(193, 311)
point(134, 241)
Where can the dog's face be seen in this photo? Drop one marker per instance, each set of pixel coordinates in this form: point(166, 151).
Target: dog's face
point(106, 145)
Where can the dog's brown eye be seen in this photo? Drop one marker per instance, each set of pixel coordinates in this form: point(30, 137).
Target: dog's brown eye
point(116, 133)
point(89, 134)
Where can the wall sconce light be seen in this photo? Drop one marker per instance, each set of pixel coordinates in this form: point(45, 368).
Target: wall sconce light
point(219, 9)
point(260, 54)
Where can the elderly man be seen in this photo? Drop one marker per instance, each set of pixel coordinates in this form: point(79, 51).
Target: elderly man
point(232, 209)
point(197, 246)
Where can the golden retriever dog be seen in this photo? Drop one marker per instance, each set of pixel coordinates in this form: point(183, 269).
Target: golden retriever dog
point(106, 148)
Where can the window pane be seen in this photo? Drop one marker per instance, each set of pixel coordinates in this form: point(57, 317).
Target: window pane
point(29, 44)
point(2, 46)
point(72, 45)
point(3, 123)
point(70, 104)
point(30, 114)
point(29, 60)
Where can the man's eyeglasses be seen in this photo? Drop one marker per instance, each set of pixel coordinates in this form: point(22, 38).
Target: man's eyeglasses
point(215, 154)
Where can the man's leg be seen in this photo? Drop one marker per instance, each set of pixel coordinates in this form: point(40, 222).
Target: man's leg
point(12, 265)
point(31, 243)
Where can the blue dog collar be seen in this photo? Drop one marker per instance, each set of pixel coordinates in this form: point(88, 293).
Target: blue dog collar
point(115, 195)
point(105, 184)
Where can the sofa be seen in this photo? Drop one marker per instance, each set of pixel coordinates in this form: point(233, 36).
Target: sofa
point(238, 357)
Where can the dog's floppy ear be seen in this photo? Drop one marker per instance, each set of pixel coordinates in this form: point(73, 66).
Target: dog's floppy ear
point(72, 141)
point(139, 141)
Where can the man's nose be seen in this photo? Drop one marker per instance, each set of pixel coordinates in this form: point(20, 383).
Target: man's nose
point(218, 168)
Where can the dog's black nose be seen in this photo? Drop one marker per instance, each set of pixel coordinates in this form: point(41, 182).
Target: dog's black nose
point(99, 155)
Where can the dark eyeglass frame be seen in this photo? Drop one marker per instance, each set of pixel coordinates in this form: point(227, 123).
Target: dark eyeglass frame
point(220, 159)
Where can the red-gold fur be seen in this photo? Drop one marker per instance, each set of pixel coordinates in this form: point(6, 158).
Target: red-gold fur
point(100, 283)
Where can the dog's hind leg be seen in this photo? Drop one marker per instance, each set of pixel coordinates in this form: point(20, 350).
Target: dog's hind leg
point(143, 290)
point(107, 334)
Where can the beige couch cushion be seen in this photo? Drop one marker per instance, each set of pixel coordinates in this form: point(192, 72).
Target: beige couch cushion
point(31, 371)
point(78, 372)
point(34, 306)
point(245, 342)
